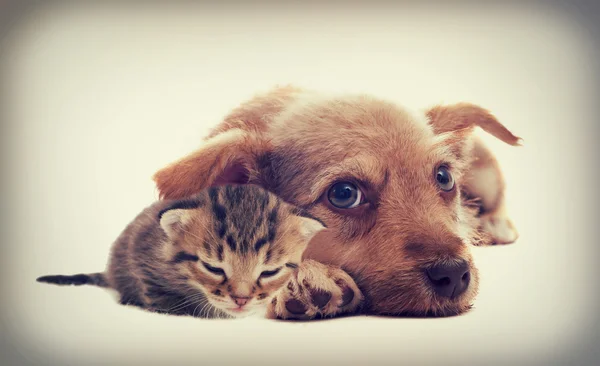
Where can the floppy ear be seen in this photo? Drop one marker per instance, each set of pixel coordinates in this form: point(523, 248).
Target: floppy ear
point(466, 116)
point(228, 157)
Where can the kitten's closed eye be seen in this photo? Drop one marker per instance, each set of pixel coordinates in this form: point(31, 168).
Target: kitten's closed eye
point(215, 270)
point(183, 257)
point(266, 274)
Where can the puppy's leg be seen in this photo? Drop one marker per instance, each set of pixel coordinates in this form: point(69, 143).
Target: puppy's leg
point(317, 290)
point(485, 184)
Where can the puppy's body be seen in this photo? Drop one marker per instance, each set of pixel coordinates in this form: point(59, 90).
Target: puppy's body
point(403, 194)
point(223, 252)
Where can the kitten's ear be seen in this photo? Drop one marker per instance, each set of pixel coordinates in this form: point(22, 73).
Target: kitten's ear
point(177, 214)
point(174, 221)
point(310, 227)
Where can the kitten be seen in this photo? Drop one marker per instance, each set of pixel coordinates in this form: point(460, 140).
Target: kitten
point(224, 252)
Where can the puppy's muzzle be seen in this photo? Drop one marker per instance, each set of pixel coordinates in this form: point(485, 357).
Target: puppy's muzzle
point(449, 280)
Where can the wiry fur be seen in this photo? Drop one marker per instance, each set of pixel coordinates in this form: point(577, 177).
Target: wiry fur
point(165, 260)
point(298, 143)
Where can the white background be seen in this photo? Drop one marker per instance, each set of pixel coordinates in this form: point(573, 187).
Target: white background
point(99, 98)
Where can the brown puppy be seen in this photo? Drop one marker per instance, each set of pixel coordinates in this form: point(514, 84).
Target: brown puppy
point(403, 194)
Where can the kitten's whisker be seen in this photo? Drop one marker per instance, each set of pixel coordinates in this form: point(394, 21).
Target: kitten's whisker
point(206, 307)
point(185, 302)
point(201, 311)
point(194, 311)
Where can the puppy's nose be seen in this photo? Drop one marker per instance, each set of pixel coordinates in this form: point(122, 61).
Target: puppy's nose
point(449, 280)
point(240, 301)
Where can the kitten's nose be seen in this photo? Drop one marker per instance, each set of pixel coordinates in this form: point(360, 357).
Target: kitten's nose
point(240, 301)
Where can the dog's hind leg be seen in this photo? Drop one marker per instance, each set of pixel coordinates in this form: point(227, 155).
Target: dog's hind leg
point(484, 184)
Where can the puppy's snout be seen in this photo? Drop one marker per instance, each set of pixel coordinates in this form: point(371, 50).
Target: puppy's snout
point(449, 280)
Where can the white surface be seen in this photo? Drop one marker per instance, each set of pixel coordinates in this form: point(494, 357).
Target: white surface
point(100, 98)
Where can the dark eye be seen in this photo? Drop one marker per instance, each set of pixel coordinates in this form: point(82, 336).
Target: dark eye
point(272, 273)
point(444, 179)
point(344, 195)
point(215, 270)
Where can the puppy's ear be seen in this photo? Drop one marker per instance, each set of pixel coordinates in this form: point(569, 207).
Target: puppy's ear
point(228, 157)
point(464, 117)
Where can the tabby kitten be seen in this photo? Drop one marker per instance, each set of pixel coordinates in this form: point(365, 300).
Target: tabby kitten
point(224, 252)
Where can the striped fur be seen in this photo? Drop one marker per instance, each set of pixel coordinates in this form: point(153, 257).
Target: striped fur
point(223, 252)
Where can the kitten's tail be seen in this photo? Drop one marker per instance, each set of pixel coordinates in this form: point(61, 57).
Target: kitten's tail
point(94, 279)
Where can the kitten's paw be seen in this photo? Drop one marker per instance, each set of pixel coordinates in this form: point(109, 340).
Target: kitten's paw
point(498, 229)
point(317, 290)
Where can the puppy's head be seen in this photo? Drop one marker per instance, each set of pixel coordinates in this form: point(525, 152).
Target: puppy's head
point(386, 183)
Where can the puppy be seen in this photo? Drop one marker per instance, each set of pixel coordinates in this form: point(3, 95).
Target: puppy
point(404, 195)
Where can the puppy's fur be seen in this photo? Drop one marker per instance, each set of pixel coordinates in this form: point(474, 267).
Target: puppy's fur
point(298, 143)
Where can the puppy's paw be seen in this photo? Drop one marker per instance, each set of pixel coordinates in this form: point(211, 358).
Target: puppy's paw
point(316, 291)
point(498, 229)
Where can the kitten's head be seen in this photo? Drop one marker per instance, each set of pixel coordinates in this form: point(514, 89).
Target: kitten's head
point(238, 244)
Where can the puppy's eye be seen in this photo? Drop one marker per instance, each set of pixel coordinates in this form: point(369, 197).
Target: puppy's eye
point(215, 270)
point(444, 179)
point(266, 274)
point(345, 195)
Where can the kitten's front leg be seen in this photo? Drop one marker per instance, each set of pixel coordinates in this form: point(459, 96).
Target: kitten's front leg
point(316, 290)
